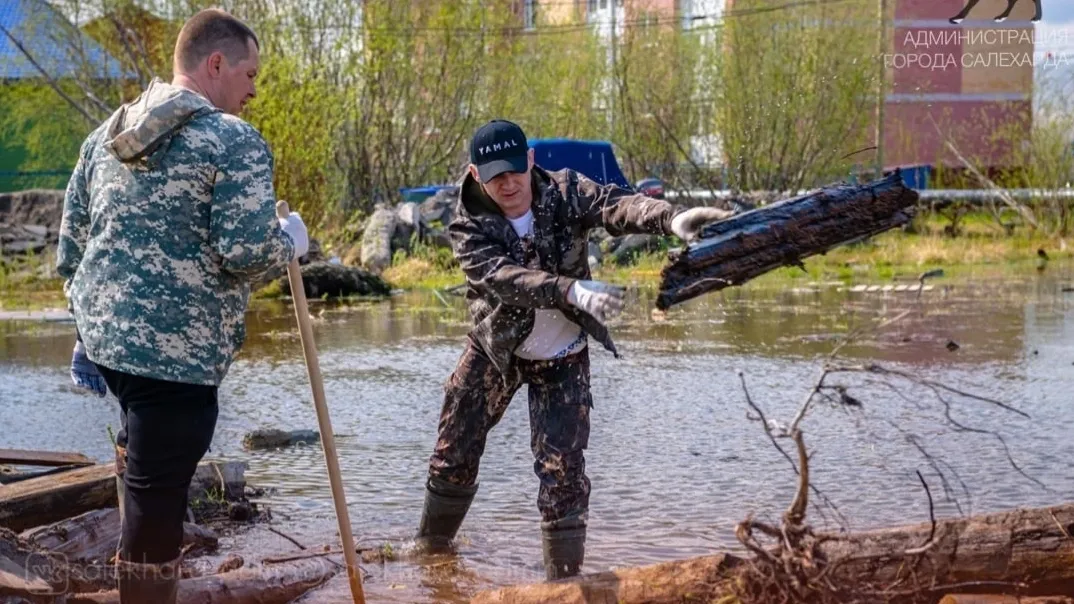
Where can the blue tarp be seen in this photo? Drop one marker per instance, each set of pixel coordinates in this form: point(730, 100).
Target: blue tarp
point(595, 159)
point(58, 46)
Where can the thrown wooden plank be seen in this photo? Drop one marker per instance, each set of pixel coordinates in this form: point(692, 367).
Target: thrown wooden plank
point(49, 459)
point(47, 499)
point(276, 584)
point(733, 251)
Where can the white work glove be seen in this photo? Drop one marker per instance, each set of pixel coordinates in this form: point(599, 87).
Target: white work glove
point(687, 224)
point(296, 230)
point(601, 300)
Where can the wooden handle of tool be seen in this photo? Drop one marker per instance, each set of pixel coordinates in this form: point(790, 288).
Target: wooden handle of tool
point(328, 441)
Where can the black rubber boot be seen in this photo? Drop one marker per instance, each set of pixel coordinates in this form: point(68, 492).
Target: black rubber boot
point(564, 546)
point(446, 505)
point(148, 583)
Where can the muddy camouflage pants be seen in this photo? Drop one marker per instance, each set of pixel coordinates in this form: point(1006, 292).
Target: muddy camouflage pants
point(475, 398)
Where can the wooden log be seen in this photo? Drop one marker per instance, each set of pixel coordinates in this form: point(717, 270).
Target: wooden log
point(1002, 599)
point(696, 580)
point(275, 584)
point(1020, 547)
point(94, 537)
point(22, 572)
point(50, 459)
point(47, 499)
point(13, 477)
point(745, 246)
point(1026, 552)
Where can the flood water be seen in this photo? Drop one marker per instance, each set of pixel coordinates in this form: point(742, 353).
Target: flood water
point(674, 459)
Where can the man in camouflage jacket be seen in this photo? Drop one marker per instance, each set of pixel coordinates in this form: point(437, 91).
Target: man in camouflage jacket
point(521, 237)
point(168, 217)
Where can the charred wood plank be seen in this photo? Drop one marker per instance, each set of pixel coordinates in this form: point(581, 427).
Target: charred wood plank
point(743, 247)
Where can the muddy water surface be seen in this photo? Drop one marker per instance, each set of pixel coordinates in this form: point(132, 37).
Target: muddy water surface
point(674, 460)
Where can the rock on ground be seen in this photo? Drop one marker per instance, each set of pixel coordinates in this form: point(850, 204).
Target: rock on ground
point(276, 439)
point(377, 239)
point(337, 280)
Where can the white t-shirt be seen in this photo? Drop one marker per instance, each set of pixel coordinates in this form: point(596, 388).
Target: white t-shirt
point(553, 335)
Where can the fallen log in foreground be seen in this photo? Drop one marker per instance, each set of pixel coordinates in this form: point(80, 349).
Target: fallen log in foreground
point(273, 584)
point(1027, 552)
point(733, 251)
point(94, 536)
point(48, 499)
point(695, 580)
point(1001, 599)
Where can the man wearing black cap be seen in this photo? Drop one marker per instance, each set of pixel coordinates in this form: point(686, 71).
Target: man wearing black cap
point(521, 237)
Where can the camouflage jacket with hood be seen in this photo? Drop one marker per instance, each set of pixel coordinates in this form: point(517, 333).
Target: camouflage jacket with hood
point(168, 217)
point(508, 279)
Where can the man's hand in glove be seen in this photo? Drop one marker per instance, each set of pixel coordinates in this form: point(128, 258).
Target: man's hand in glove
point(601, 300)
point(687, 224)
point(296, 229)
point(84, 373)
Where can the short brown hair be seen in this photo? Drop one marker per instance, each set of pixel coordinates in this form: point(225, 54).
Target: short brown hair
point(208, 31)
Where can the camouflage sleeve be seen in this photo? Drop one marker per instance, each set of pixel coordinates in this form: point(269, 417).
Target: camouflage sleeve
point(622, 212)
point(488, 267)
point(243, 228)
point(75, 221)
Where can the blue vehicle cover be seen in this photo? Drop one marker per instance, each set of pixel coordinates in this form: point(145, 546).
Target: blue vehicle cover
point(595, 159)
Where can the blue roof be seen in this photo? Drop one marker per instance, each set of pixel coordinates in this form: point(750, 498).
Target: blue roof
point(54, 42)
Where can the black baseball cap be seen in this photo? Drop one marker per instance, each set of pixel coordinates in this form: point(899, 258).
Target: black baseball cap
point(497, 147)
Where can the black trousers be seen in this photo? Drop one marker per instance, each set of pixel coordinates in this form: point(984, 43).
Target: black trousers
point(166, 429)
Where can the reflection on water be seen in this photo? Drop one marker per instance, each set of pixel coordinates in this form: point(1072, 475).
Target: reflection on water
point(674, 461)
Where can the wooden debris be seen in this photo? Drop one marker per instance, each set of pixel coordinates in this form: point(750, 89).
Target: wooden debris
point(277, 584)
point(49, 459)
point(1000, 599)
point(94, 536)
point(22, 572)
point(47, 499)
point(232, 562)
point(1027, 552)
point(696, 580)
point(745, 246)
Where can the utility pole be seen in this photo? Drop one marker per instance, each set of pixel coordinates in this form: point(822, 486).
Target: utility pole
point(615, 74)
point(881, 87)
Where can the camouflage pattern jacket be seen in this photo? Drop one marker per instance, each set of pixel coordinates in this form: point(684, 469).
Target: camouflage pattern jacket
point(168, 217)
point(508, 279)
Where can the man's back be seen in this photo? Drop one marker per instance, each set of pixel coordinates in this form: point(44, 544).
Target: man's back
point(169, 216)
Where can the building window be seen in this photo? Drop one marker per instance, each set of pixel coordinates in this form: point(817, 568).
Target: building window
point(529, 14)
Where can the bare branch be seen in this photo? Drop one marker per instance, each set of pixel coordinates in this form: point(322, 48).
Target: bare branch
point(48, 78)
point(1026, 213)
point(927, 545)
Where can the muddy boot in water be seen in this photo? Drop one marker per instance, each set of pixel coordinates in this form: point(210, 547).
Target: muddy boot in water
point(148, 583)
point(446, 505)
point(564, 546)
